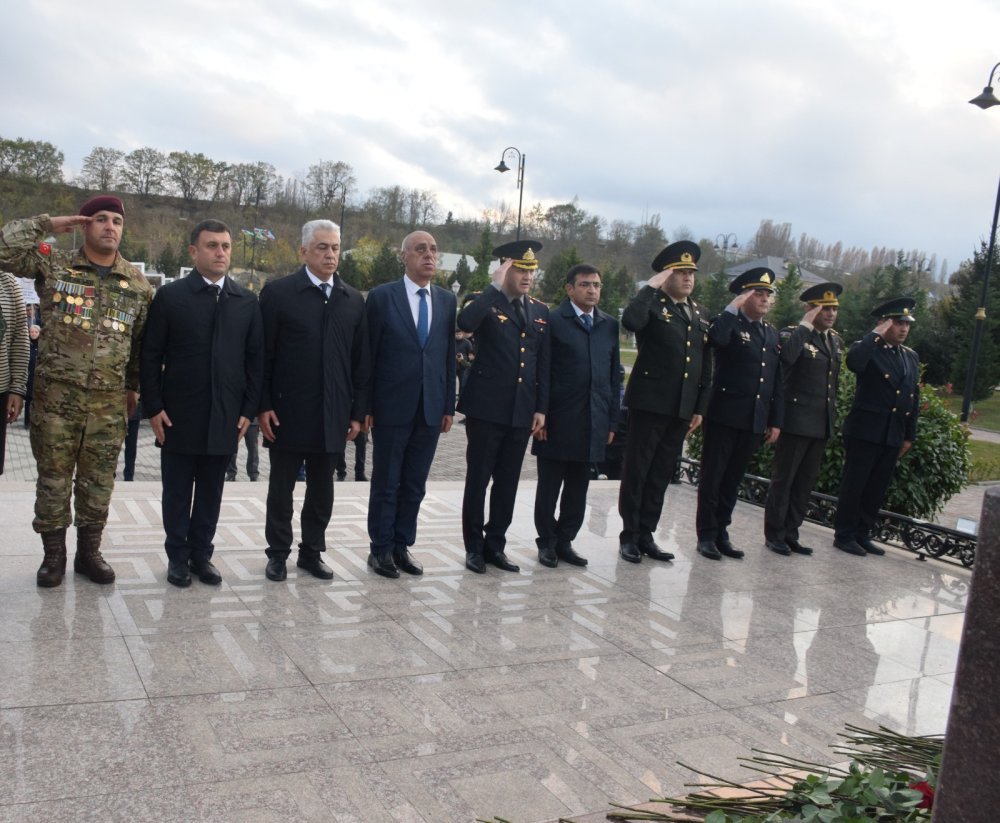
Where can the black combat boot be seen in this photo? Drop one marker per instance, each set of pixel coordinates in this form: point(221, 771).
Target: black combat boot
point(53, 568)
point(88, 558)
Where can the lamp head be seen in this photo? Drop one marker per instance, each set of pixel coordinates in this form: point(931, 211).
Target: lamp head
point(986, 100)
point(502, 167)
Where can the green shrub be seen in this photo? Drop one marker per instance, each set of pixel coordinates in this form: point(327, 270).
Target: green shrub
point(936, 468)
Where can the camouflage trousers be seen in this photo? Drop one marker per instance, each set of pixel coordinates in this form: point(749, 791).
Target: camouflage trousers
point(76, 435)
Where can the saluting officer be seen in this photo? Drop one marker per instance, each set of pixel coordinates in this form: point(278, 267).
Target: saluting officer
point(881, 425)
point(505, 399)
point(747, 402)
point(667, 393)
point(87, 376)
point(810, 364)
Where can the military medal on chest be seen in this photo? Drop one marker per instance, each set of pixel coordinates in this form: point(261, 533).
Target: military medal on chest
point(75, 301)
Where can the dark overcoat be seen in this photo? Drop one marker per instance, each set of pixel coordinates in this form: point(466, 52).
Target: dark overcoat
point(509, 380)
point(202, 363)
point(747, 388)
point(887, 399)
point(673, 370)
point(405, 374)
point(584, 387)
point(810, 367)
point(317, 366)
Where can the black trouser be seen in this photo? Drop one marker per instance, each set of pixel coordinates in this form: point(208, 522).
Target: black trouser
point(192, 497)
point(652, 450)
point(724, 458)
point(868, 469)
point(360, 452)
point(252, 440)
point(573, 477)
point(131, 447)
point(496, 452)
point(794, 471)
point(316, 509)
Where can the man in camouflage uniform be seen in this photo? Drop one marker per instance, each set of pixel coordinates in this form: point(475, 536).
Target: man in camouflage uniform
point(87, 374)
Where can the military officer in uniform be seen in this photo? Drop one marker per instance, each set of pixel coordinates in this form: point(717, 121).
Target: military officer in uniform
point(505, 399)
point(667, 392)
point(87, 374)
point(810, 365)
point(881, 425)
point(747, 404)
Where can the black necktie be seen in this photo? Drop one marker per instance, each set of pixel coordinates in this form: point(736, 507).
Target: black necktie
point(588, 323)
point(218, 291)
point(519, 311)
point(684, 311)
point(326, 290)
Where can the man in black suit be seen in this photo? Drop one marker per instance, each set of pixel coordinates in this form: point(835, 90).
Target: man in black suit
point(411, 326)
point(881, 425)
point(810, 365)
point(201, 372)
point(505, 399)
point(583, 413)
point(667, 393)
point(747, 404)
point(316, 375)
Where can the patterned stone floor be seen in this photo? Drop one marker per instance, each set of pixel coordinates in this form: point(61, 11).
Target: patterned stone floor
point(530, 696)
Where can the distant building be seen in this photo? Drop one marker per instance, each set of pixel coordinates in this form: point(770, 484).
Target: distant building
point(779, 266)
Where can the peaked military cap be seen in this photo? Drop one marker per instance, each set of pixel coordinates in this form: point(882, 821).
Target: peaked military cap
point(759, 278)
point(103, 202)
point(680, 255)
point(899, 308)
point(822, 294)
point(521, 252)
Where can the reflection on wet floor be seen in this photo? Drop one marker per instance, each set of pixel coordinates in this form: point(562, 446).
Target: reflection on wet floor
point(449, 696)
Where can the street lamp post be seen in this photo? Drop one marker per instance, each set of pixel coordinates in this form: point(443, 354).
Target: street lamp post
point(723, 244)
point(502, 167)
point(343, 204)
point(985, 100)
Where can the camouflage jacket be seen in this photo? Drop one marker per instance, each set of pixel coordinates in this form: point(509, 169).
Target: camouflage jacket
point(92, 325)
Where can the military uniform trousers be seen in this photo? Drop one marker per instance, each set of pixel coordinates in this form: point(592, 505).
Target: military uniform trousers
point(192, 498)
point(796, 465)
point(573, 477)
point(496, 452)
point(868, 469)
point(76, 436)
point(652, 450)
point(724, 459)
point(317, 508)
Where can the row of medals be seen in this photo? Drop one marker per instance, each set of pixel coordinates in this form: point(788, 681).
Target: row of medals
point(77, 302)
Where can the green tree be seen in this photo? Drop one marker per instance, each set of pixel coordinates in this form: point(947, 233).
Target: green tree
point(350, 272)
point(787, 310)
point(142, 171)
point(550, 287)
point(967, 284)
point(714, 294)
point(101, 168)
point(193, 175)
point(463, 273)
point(167, 262)
point(386, 267)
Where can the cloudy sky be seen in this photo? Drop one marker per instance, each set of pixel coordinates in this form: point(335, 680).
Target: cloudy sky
point(849, 120)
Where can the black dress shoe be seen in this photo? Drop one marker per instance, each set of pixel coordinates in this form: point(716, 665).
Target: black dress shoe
point(565, 551)
point(727, 548)
point(796, 546)
point(869, 547)
point(850, 547)
point(205, 571)
point(627, 550)
point(178, 574)
point(340, 476)
point(275, 569)
point(405, 563)
point(360, 478)
point(654, 552)
point(547, 555)
point(383, 566)
point(706, 548)
point(501, 561)
point(315, 566)
point(474, 563)
point(778, 547)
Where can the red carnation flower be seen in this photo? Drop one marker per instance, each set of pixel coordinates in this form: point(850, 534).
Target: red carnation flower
point(927, 791)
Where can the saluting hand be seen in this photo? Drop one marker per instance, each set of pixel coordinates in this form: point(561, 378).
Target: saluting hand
point(659, 280)
point(809, 318)
point(500, 275)
point(64, 225)
point(883, 327)
point(740, 300)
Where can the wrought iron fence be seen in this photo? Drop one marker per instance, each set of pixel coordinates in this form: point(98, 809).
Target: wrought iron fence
point(918, 536)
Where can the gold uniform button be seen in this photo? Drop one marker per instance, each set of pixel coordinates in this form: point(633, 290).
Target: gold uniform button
point(522, 365)
point(886, 376)
point(894, 408)
point(686, 374)
point(687, 359)
point(897, 391)
point(522, 334)
point(689, 343)
point(519, 380)
point(763, 364)
point(762, 380)
point(758, 397)
point(522, 349)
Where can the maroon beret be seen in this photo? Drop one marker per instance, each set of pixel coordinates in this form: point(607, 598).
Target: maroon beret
point(103, 202)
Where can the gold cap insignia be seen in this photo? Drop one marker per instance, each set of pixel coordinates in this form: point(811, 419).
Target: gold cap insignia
point(687, 258)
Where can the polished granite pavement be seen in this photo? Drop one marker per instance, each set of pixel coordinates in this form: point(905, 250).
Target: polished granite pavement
point(442, 698)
